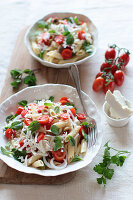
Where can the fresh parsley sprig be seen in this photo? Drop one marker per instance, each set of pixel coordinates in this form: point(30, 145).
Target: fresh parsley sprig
point(104, 169)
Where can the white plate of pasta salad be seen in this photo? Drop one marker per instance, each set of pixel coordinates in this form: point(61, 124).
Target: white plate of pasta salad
point(60, 39)
point(44, 131)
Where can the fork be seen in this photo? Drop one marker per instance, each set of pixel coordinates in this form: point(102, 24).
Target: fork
point(92, 129)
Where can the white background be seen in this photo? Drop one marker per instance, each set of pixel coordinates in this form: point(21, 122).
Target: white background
point(114, 20)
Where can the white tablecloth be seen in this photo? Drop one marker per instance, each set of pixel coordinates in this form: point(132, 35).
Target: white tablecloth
point(114, 20)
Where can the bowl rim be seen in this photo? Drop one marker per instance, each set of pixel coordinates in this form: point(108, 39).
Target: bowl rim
point(58, 172)
point(49, 64)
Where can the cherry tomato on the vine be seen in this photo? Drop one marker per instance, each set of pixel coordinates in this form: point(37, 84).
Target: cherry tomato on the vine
point(105, 67)
point(119, 77)
point(110, 86)
point(110, 54)
point(98, 84)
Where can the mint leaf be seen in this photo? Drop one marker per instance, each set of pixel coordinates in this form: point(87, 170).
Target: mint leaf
point(58, 143)
point(54, 129)
point(72, 140)
point(30, 80)
point(15, 84)
point(34, 126)
point(69, 39)
point(75, 19)
point(23, 103)
point(16, 73)
point(16, 125)
point(51, 98)
point(57, 109)
point(76, 158)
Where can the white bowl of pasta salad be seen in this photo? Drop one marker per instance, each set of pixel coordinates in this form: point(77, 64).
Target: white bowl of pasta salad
point(43, 130)
point(60, 39)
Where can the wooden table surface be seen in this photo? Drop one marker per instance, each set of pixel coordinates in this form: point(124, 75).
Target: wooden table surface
point(113, 19)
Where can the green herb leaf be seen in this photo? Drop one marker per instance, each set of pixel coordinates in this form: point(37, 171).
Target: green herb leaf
point(87, 47)
point(5, 128)
point(108, 173)
point(72, 140)
point(76, 158)
point(84, 135)
point(43, 24)
point(71, 104)
point(52, 31)
point(48, 104)
point(16, 73)
point(41, 54)
point(58, 143)
point(5, 151)
point(23, 103)
point(66, 31)
point(25, 131)
point(57, 109)
point(75, 19)
point(69, 39)
point(68, 19)
point(17, 125)
point(101, 180)
point(51, 98)
point(99, 168)
point(34, 126)
point(30, 80)
point(10, 118)
point(54, 129)
point(17, 154)
point(15, 84)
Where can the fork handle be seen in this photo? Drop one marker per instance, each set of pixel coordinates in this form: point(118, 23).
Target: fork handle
point(73, 70)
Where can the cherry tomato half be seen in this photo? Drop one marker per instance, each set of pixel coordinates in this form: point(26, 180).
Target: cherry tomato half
point(40, 108)
point(45, 38)
point(98, 84)
point(80, 116)
point(40, 137)
point(27, 121)
point(119, 77)
point(21, 143)
point(24, 112)
point(64, 100)
point(110, 54)
point(44, 119)
point(66, 54)
point(59, 39)
point(59, 155)
point(81, 35)
point(73, 111)
point(110, 86)
point(20, 109)
point(10, 133)
point(64, 116)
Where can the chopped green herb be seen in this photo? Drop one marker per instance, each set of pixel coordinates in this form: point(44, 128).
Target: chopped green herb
point(16, 73)
point(54, 129)
point(41, 54)
point(5, 151)
point(25, 131)
point(103, 168)
point(76, 158)
point(10, 118)
point(58, 143)
point(66, 31)
point(15, 84)
point(84, 135)
point(30, 80)
point(34, 126)
point(51, 98)
point(75, 19)
point(69, 39)
point(52, 31)
point(43, 24)
point(72, 140)
point(23, 103)
point(48, 104)
point(57, 109)
point(16, 125)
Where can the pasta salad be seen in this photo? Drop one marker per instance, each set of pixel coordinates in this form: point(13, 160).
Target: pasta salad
point(46, 134)
point(62, 40)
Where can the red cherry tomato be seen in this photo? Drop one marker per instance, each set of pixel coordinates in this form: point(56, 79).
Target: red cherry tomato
point(99, 74)
point(81, 35)
point(20, 109)
point(59, 155)
point(114, 68)
point(119, 77)
point(73, 111)
point(10, 133)
point(21, 143)
point(105, 67)
point(64, 116)
point(48, 125)
point(110, 86)
point(110, 54)
point(24, 112)
point(66, 54)
point(124, 58)
point(40, 108)
point(59, 39)
point(84, 129)
point(64, 98)
point(98, 84)
point(27, 121)
point(40, 137)
point(44, 119)
point(80, 116)
point(45, 38)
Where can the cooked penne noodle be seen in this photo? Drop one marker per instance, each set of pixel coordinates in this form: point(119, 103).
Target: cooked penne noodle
point(70, 153)
point(38, 163)
point(83, 146)
point(73, 133)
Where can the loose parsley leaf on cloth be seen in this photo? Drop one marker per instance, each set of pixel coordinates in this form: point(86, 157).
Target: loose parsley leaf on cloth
point(16, 125)
point(76, 158)
point(34, 126)
point(103, 167)
point(58, 143)
point(51, 98)
point(43, 24)
point(69, 39)
point(23, 103)
point(72, 140)
point(10, 117)
point(54, 129)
